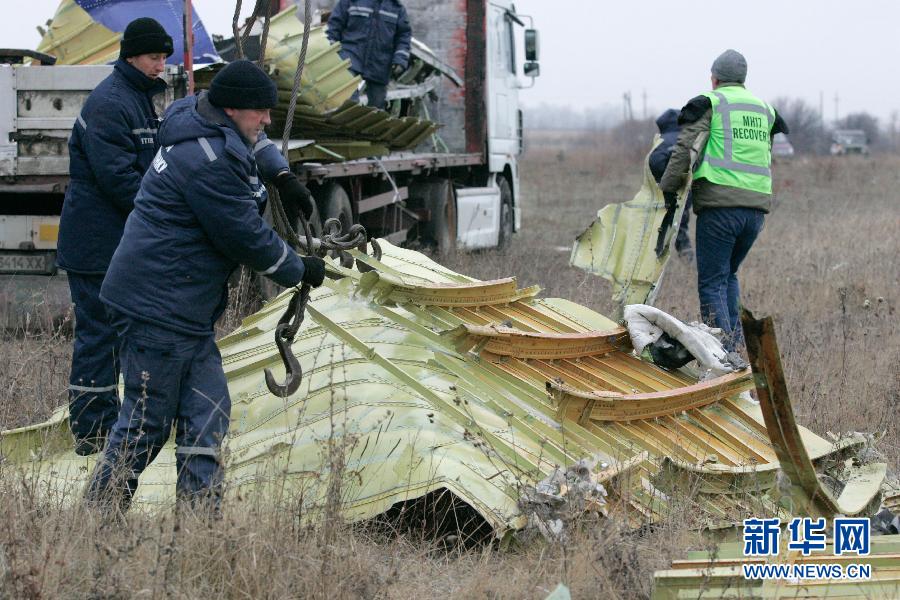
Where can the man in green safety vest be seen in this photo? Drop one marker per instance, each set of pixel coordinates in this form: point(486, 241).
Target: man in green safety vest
point(732, 187)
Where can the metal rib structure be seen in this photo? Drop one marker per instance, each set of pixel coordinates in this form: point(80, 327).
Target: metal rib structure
point(719, 574)
point(428, 380)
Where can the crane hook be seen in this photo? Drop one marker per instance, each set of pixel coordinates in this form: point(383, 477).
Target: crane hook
point(285, 331)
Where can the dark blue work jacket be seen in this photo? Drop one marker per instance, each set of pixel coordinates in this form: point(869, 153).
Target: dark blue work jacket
point(374, 34)
point(669, 130)
point(198, 215)
point(112, 144)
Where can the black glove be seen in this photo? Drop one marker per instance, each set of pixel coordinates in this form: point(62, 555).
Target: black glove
point(398, 70)
point(294, 195)
point(313, 270)
point(671, 199)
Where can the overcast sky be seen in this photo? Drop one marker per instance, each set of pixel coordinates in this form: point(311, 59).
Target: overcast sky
point(593, 51)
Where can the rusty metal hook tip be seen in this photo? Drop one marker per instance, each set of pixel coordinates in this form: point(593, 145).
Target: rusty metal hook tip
point(292, 368)
point(287, 328)
point(376, 254)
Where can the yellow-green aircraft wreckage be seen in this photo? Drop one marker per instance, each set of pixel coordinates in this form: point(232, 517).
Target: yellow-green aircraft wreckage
point(528, 411)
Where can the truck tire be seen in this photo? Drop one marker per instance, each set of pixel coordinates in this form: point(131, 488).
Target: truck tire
point(336, 205)
point(440, 200)
point(507, 218)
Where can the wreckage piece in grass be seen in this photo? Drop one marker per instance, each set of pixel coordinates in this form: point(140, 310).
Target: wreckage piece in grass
point(720, 574)
point(433, 385)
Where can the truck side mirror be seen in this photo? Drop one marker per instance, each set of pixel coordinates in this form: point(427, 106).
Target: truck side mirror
point(532, 45)
point(532, 69)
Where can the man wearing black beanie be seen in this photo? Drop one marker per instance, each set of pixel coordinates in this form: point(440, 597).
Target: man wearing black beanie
point(196, 218)
point(111, 146)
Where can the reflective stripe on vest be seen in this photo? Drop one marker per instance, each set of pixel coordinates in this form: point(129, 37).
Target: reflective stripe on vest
point(726, 169)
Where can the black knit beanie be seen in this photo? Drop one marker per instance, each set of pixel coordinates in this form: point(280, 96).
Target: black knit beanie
point(145, 36)
point(243, 85)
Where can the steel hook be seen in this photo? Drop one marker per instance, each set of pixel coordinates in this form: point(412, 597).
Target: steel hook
point(285, 331)
point(292, 368)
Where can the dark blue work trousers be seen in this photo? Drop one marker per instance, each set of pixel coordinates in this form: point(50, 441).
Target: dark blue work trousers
point(724, 237)
point(93, 396)
point(376, 93)
point(170, 379)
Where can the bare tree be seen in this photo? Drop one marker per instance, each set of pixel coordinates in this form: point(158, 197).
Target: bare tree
point(807, 130)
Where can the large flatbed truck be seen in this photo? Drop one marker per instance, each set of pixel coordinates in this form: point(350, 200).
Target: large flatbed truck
point(464, 196)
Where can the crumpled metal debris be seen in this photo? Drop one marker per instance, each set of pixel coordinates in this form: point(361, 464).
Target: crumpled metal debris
point(563, 496)
point(427, 380)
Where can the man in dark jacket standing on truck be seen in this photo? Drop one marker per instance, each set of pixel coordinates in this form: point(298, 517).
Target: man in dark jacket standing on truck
point(112, 144)
point(375, 35)
point(732, 186)
point(197, 217)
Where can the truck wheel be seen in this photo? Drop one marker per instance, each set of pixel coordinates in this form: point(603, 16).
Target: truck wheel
point(440, 200)
point(507, 221)
point(336, 205)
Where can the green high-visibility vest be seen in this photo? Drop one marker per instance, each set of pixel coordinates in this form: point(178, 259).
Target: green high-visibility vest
point(738, 152)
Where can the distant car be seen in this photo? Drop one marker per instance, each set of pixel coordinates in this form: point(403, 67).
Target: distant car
point(849, 141)
point(781, 146)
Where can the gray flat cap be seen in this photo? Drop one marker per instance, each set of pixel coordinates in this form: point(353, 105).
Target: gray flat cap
point(730, 67)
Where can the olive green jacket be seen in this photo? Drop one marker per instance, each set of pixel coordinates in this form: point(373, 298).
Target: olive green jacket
point(705, 193)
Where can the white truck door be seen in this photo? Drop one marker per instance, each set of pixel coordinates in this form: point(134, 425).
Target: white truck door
point(503, 94)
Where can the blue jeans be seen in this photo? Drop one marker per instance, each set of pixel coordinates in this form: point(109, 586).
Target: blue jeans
point(724, 237)
point(170, 379)
point(93, 380)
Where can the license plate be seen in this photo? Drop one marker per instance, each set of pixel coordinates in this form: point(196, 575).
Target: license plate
point(11, 262)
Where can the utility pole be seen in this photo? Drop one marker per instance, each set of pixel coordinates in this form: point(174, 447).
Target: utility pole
point(188, 25)
point(627, 112)
point(837, 101)
point(644, 104)
point(821, 106)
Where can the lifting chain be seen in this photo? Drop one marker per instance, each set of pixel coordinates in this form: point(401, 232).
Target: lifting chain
point(333, 240)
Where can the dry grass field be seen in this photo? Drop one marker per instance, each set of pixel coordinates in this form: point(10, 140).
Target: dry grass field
point(826, 267)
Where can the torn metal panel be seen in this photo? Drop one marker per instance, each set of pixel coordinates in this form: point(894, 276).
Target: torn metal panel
point(620, 244)
point(74, 38)
point(88, 33)
point(326, 82)
point(429, 380)
point(862, 483)
point(324, 107)
point(719, 574)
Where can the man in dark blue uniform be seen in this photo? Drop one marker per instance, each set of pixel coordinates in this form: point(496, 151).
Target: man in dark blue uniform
point(668, 126)
point(197, 217)
point(112, 144)
point(375, 35)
